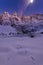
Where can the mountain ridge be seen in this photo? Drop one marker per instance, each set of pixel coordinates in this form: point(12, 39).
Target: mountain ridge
point(10, 19)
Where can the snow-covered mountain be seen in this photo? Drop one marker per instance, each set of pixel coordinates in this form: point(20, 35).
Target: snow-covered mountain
point(24, 24)
point(15, 19)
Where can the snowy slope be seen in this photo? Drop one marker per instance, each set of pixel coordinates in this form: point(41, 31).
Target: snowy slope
point(21, 51)
point(8, 31)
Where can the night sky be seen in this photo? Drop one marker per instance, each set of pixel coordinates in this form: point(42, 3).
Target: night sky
point(17, 5)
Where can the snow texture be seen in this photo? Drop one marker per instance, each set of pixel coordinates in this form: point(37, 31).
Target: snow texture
point(21, 51)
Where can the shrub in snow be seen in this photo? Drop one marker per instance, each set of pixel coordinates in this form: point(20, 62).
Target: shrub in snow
point(11, 33)
point(3, 34)
point(1, 20)
point(25, 29)
point(41, 32)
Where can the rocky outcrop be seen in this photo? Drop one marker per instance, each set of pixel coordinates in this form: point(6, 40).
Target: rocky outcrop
point(6, 18)
point(15, 19)
point(11, 19)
